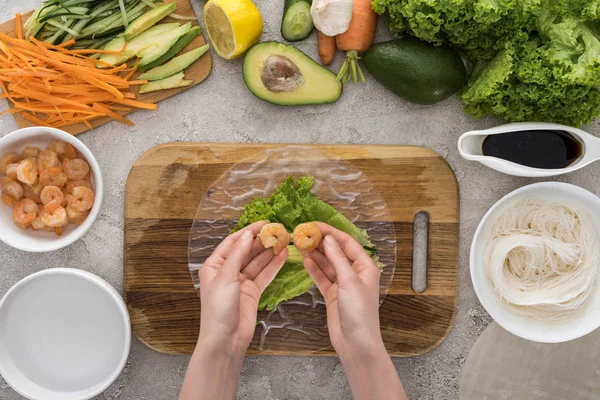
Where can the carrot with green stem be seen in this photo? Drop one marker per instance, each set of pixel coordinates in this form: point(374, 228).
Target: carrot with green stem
point(356, 40)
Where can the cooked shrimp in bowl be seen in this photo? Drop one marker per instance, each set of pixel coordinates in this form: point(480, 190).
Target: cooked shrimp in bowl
point(47, 188)
point(27, 171)
point(25, 212)
point(76, 168)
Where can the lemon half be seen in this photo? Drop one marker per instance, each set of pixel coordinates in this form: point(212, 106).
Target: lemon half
point(233, 26)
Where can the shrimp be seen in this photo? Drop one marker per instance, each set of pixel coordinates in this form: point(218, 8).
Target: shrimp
point(27, 171)
point(37, 224)
point(53, 177)
point(11, 188)
point(76, 217)
point(30, 152)
point(307, 237)
point(25, 212)
point(47, 159)
point(11, 170)
point(8, 158)
point(22, 226)
point(73, 184)
point(52, 197)
point(56, 218)
point(76, 168)
point(9, 200)
point(63, 149)
point(33, 192)
point(81, 199)
point(274, 235)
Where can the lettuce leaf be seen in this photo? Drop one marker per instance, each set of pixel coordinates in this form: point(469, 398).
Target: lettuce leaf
point(292, 204)
point(477, 28)
point(257, 210)
point(531, 80)
point(545, 54)
point(290, 282)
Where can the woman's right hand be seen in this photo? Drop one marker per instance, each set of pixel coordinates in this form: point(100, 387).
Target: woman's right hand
point(349, 280)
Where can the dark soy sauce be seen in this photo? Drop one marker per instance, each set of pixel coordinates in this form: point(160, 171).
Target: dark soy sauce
point(536, 149)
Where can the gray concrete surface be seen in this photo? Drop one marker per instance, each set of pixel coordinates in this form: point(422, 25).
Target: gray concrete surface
point(222, 109)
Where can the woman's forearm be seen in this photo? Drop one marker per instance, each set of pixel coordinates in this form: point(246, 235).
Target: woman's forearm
point(212, 374)
point(372, 376)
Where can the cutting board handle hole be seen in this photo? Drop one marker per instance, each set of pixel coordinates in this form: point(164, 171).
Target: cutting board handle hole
point(420, 251)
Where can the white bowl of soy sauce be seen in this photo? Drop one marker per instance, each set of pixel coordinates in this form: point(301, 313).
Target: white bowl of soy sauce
point(531, 149)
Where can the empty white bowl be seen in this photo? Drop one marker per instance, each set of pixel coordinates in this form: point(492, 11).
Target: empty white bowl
point(40, 241)
point(576, 324)
point(64, 335)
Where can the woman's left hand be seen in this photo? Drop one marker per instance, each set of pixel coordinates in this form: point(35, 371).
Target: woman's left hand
point(232, 280)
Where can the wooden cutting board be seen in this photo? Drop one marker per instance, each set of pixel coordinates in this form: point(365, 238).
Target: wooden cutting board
point(197, 72)
point(162, 195)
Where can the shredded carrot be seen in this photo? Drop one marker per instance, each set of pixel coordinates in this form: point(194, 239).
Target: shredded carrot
point(140, 82)
point(137, 104)
point(106, 111)
point(97, 51)
point(62, 48)
point(18, 26)
point(68, 43)
point(44, 97)
point(119, 108)
point(51, 85)
point(34, 119)
point(135, 67)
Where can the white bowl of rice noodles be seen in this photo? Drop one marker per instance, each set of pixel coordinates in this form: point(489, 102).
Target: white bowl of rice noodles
point(535, 262)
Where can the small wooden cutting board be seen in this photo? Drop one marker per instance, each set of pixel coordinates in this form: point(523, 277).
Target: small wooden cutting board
point(197, 72)
point(162, 195)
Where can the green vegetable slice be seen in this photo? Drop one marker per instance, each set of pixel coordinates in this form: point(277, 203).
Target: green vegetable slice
point(291, 281)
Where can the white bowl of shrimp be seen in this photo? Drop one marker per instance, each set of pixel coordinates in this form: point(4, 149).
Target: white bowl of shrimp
point(51, 189)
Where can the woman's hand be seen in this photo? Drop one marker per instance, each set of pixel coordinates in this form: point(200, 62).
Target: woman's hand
point(349, 280)
point(232, 280)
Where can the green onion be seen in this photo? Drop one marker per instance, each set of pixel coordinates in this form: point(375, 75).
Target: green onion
point(123, 13)
point(149, 3)
point(87, 21)
point(63, 27)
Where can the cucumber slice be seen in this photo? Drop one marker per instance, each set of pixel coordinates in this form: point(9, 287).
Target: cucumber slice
point(148, 19)
point(177, 47)
point(174, 66)
point(172, 82)
point(161, 47)
point(136, 45)
point(297, 23)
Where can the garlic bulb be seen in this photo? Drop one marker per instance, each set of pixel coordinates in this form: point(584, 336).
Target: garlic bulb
point(331, 17)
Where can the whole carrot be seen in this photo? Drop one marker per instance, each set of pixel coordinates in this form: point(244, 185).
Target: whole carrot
point(357, 39)
point(326, 48)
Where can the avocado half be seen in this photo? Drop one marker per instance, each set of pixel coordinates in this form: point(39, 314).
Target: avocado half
point(283, 75)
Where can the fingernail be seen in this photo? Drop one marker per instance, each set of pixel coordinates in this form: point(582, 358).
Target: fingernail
point(247, 235)
point(329, 240)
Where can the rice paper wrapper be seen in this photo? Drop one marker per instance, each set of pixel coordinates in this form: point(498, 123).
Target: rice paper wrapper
point(298, 325)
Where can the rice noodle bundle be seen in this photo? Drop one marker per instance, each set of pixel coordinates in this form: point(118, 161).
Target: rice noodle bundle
point(542, 258)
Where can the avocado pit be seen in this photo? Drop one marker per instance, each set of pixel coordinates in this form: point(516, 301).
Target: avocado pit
point(279, 74)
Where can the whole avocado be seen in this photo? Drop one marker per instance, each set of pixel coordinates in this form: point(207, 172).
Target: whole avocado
point(416, 71)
